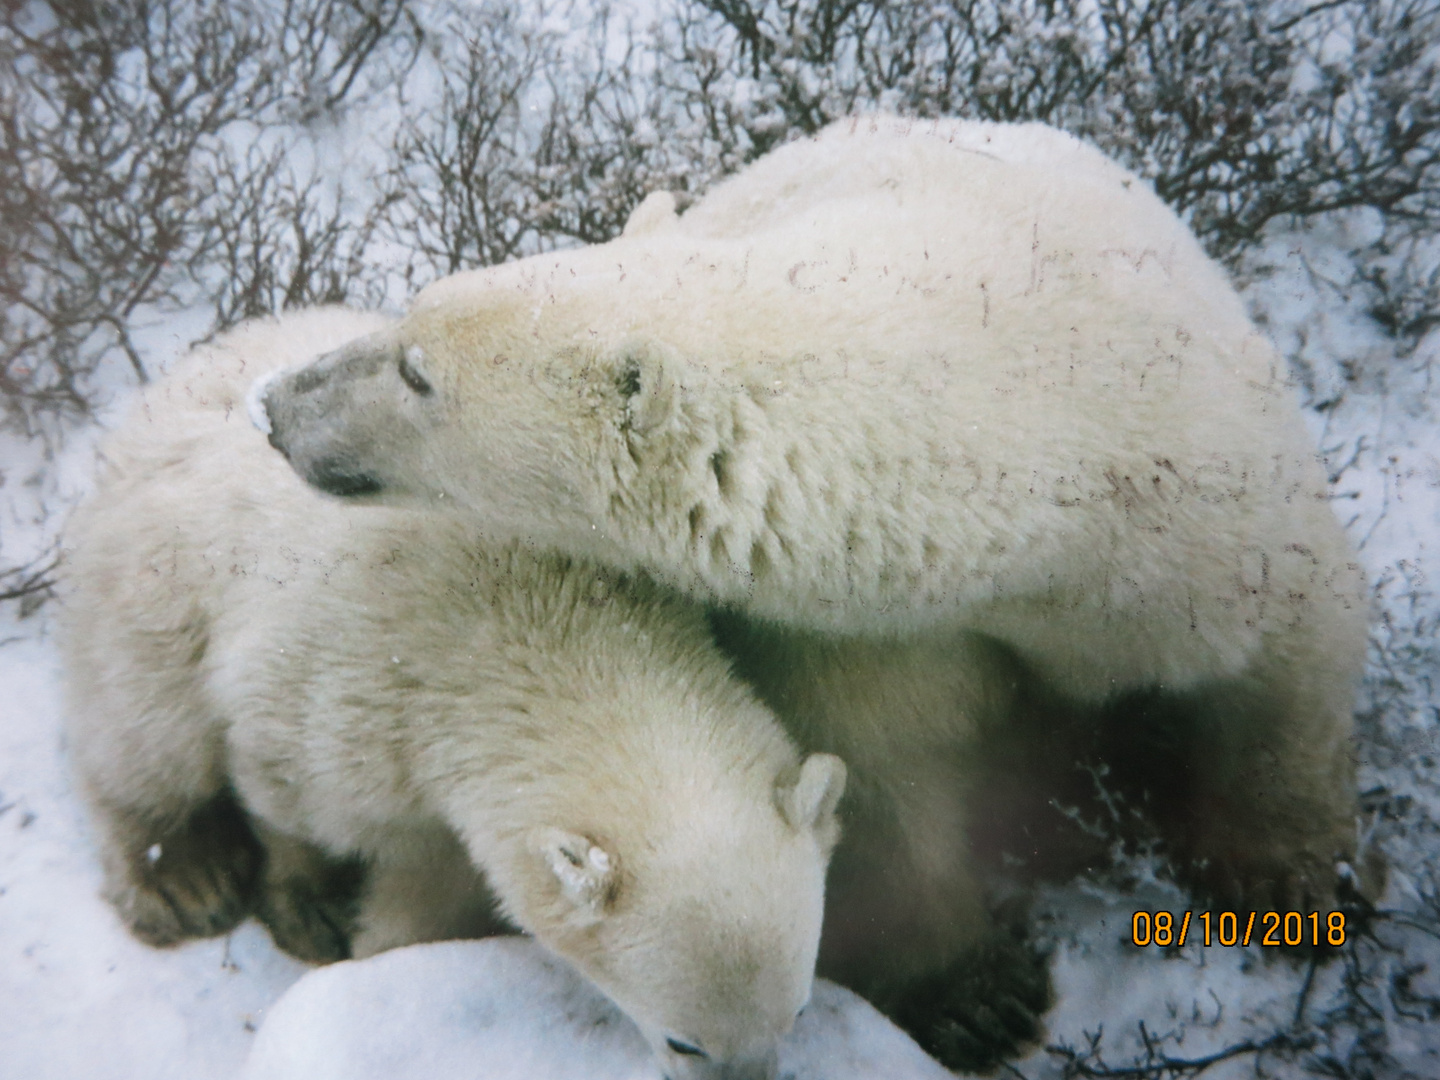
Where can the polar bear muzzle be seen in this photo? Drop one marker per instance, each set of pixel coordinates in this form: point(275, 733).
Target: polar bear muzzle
point(324, 417)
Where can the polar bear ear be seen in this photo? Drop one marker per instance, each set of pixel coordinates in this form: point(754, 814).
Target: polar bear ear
point(811, 798)
point(657, 212)
point(645, 377)
point(586, 872)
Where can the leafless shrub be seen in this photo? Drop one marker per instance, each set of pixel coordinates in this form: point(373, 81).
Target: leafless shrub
point(275, 241)
point(31, 583)
point(1238, 112)
point(607, 139)
point(126, 185)
point(1160, 1063)
point(458, 172)
point(551, 125)
point(1400, 273)
point(112, 114)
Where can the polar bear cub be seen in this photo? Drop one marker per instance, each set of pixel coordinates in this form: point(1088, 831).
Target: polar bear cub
point(372, 731)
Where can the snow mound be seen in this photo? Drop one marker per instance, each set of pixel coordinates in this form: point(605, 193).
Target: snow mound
point(505, 1009)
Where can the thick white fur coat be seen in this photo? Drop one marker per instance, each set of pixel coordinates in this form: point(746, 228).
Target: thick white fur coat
point(372, 683)
point(899, 376)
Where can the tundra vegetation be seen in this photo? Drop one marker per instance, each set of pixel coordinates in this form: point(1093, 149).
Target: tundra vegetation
point(196, 162)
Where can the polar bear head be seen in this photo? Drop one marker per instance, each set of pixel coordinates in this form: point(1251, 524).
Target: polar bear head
point(697, 910)
point(459, 406)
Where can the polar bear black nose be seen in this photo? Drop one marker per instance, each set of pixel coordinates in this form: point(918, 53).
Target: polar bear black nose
point(315, 416)
point(340, 478)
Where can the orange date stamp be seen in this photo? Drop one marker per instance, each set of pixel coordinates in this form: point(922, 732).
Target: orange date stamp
point(1229, 928)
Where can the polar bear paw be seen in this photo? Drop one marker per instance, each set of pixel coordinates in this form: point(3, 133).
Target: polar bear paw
point(310, 904)
point(1291, 880)
point(194, 881)
point(983, 1007)
point(1300, 861)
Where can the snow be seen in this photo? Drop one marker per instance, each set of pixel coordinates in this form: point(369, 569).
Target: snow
point(504, 1009)
point(79, 998)
point(255, 401)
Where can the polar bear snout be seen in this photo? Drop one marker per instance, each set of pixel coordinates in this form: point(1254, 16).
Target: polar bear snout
point(336, 418)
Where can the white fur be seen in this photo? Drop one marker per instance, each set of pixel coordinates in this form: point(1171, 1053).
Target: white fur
point(894, 377)
point(935, 410)
point(375, 684)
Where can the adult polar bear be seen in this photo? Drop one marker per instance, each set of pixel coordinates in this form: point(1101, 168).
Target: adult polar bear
point(364, 684)
point(931, 409)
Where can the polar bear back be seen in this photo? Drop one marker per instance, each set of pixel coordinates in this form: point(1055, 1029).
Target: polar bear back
point(898, 376)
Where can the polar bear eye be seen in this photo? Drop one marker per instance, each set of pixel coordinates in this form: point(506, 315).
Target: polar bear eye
point(685, 1048)
point(629, 379)
point(411, 374)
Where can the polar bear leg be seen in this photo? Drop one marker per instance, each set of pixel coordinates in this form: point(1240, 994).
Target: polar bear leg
point(308, 899)
point(180, 859)
point(984, 1005)
point(182, 872)
point(1272, 791)
point(907, 926)
point(906, 912)
point(423, 887)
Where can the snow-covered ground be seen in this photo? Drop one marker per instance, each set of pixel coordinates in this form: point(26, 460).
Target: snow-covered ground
point(81, 999)
point(504, 1009)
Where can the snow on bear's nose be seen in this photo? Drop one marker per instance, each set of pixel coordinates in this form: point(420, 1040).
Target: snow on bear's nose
point(255, 400)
